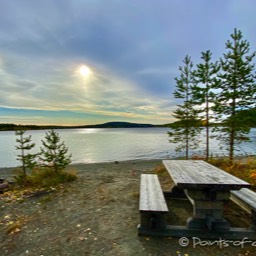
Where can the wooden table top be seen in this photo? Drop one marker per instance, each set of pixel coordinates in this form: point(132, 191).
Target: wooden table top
point(198, 174)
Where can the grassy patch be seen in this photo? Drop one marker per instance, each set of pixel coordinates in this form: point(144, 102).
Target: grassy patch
point(45, 177)
point(39, 183)
point(244, 168)
point(163, 176)
point(161, 170)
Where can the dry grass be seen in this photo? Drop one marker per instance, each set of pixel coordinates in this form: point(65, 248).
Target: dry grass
point(244, 168)
point(44, 177)
point(164, 177)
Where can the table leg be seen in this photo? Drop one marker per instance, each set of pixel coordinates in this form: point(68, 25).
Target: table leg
point(208, 207)
point(253, 216)
point(175, 193)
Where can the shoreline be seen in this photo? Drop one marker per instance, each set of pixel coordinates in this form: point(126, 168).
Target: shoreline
point(136, 160)
point(6, 172)
point(98, 163)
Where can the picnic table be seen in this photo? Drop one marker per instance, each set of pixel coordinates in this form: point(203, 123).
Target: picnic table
point(208, 188)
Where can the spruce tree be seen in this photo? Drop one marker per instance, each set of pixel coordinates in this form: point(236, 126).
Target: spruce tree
point(185, 133)
point(237, 90)
point(54, 154)
point(204, 90)
point(28, 160)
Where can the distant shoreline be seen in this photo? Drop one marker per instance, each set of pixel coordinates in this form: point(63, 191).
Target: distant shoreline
point(109, 125)
point(14, 127)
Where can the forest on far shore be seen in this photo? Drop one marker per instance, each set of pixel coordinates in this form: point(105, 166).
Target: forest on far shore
point(248, 115)
point(14, 127)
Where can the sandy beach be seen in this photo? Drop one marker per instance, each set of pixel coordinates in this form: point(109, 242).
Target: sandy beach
point(98, 215)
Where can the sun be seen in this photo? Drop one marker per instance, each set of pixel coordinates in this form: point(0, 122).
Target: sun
point(84, 71)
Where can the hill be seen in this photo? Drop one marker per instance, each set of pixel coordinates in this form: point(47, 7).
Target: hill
point(120, 125)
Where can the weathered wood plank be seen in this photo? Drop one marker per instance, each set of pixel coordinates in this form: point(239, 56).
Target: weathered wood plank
point(151, 195)
point(200, 174)
point(245, 198)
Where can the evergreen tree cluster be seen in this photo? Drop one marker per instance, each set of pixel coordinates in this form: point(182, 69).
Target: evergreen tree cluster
point(53, 153)
point(216, 92)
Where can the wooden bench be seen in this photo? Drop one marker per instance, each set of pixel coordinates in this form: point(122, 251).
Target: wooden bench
point(246, 199)
point(153, 208)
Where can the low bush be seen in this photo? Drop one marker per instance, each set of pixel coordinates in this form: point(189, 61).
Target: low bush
point(244, 168)
point(44, 177)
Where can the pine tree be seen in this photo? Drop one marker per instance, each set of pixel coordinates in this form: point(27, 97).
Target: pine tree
point(237, 90)
point(204, 90)
point(28, 160)
point(185, 134)
point(54, 153)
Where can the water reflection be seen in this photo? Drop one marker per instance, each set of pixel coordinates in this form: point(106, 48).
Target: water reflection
point(103, 145)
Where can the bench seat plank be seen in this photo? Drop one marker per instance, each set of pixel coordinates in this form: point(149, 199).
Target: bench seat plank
point(151, 195)
point(246, 198)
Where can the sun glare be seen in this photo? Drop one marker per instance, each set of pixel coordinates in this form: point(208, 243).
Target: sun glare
point(84, 71)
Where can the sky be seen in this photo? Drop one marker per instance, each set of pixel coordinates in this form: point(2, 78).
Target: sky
point(80, 62)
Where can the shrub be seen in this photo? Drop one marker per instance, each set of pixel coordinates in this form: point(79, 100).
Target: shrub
point(44, 177)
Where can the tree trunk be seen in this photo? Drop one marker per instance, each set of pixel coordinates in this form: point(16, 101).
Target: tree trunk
point(207, 123)
point(231, 146)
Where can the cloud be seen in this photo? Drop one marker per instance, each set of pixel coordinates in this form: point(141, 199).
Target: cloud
point(133, 49)
point(102, 93)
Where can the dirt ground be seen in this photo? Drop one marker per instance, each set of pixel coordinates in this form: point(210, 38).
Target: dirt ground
point(98, 215)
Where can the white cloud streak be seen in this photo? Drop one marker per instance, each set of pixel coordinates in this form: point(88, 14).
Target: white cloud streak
point(102, 93)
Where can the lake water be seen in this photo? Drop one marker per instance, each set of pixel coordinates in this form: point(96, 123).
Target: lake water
point(104, 145)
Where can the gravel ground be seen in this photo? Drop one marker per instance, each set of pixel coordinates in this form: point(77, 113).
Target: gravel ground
point(98, 215)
